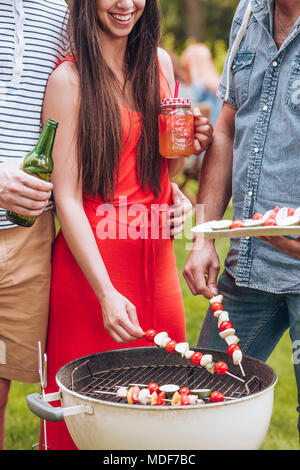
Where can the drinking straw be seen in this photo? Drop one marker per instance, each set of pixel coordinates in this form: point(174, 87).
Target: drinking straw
point(176, 89)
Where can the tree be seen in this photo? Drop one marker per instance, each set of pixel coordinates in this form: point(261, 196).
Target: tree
point(197, 20)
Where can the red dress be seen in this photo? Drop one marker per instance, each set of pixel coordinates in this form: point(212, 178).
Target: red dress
point(142, 269)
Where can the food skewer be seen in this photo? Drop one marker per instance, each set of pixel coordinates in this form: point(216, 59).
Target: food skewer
point(182, 396)
point(227, 331)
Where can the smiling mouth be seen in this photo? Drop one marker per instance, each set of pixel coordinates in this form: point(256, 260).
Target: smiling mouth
point(123, 18)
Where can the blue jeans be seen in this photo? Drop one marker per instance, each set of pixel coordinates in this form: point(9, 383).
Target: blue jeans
point(259, 318)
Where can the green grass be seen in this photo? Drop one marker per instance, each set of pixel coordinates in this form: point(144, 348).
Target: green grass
point(23, 427)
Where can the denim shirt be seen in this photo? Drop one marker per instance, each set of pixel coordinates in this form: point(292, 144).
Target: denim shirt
point(265, 89)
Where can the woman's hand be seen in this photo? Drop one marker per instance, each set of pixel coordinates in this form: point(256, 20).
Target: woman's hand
point(120, 317)
point(179, 212)
point(203, 132)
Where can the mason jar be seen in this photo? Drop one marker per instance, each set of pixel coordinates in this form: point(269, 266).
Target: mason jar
point(176, 128)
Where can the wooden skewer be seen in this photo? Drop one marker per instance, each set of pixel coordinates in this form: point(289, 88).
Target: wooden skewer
point(242, 370)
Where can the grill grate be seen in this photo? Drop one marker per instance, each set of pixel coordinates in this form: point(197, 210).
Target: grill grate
point(102, 385)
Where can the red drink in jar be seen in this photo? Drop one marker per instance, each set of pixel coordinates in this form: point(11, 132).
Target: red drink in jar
point(176, 128)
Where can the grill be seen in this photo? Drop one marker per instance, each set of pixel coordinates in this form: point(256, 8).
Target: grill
point(95, 377)
point(97, 419)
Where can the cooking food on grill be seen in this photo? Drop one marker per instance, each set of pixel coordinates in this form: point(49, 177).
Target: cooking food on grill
point(171, 394)
point(221, 368)
point(169, 389)
point(210, 367)
point(161, 399)
point(153, 399)
point(237, 356)
point(202, 392)
point(206, 359)
point(216, 397)
point(133, 395)
point(184, 390)
point(153, 387)
point(176, 399)
point(144, 396)
point(122, 392)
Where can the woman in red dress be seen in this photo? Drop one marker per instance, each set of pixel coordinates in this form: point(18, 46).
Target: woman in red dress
point(111, 277)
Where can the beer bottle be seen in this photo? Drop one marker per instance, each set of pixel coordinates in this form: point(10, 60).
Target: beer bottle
point(37, 163)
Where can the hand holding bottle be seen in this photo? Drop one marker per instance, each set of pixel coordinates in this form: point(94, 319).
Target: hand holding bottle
point(21, 192)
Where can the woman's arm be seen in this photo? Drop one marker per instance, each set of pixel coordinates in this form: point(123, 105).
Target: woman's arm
point(61, 103)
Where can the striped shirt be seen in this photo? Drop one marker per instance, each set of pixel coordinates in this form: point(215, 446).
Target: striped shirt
point(32, 41)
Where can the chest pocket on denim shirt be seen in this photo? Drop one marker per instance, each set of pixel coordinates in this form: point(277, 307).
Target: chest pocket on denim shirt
point(241, 71)
point(293, 94)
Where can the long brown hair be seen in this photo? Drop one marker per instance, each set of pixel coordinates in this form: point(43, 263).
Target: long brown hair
point(99, 133)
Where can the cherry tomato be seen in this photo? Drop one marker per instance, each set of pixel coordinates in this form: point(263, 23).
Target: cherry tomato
point(170, 347)
point(221, 368)
point(185, 400)
point(161, 399)
point(237, 224)
point(196, 358)
point(232, 348)
point(216, 306)
point(216, 397)
point(225, 325)
point(257, 216)
point(135, 394)
point(149, 335)
point(153, 387)
point(184, 391)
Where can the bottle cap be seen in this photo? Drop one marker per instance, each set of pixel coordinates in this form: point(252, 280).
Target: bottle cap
point(52, 123)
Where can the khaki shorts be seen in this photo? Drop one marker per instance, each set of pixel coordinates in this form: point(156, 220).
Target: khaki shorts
point(25, 272)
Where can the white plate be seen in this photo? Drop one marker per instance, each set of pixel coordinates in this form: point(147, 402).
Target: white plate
point(207, 232)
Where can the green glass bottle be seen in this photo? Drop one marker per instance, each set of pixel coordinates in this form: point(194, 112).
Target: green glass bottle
point(37, 163)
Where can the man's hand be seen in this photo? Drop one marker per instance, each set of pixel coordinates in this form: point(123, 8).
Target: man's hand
point(22, 193)
point(288, 246)
point(180, 211)
point(202, 269)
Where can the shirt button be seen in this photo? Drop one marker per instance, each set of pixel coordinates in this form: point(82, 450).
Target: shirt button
point(256, 150)
point(265, 108)
point(250, 193)
point(275, 63)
